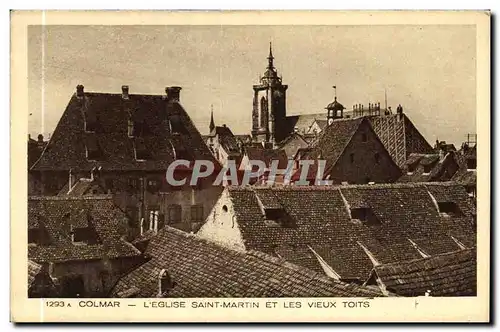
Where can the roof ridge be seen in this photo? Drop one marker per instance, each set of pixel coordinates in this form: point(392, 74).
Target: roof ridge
point(432, 257)
point(71, 198)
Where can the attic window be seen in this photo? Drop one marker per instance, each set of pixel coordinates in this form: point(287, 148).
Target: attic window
point(412, 167)
point(449, 209)
point(176, 125)
point(279, 216)
point(90, 122)
point(141, 150)
point(130, 128)
point(36, 236)
point(92, 148)
point(364, 215)
point(471, 163)
point(83, 235)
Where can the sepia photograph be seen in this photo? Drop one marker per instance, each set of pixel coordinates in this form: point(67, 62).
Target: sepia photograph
point(217, 166)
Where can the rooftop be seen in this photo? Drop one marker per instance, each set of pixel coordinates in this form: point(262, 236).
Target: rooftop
point(200, 268)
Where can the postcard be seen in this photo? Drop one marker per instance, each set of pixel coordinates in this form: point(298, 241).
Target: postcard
point(252, 166)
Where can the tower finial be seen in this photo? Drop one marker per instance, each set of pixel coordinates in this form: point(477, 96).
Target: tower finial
point(335, 91)
point(270, 57)
point(212, 123)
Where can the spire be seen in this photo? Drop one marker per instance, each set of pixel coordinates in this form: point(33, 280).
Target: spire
point(270, 57)
point(212, 123)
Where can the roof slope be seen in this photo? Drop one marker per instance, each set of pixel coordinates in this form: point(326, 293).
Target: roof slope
point(33, 270)
point(322, 221)
point(67, 146)
point(203, 269)
point(449, 274)
point(302, 122)
point(463, 175)
point(399, 136)
point(58, 215)
point(440, 168)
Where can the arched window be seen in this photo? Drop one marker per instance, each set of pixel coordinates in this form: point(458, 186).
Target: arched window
point(263, 112)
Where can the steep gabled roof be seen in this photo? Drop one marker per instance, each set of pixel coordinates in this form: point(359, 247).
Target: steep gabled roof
point(111, 113)
point(399, 136)
point(449, 274)
point(323, 220)
point(57, 216)
point(267, 155)
point(227, 140)
point(200, 268)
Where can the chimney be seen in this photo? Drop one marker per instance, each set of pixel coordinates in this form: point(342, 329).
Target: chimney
point(79, 91)
point(173, 93)
point(224, 125)
point(165, 283)
point(125, 91)
point(40, 138)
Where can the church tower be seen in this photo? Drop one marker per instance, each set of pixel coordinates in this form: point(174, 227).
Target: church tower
point(269, 106)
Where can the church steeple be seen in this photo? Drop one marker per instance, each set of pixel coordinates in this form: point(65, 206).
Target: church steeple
point(212, 123)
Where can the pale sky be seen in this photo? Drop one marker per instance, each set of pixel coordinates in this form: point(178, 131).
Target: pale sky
point(430, 70)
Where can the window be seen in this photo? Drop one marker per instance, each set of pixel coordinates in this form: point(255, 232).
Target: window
point(352, 157)
point(153, 185)
point(133, 213)
point(377, 158)
point(90, 121)
point(80, 235)
point(141, 150)
point(359, 214)
point(153, 219)
point(447, 209)
point(176, 125)
point(224, 208)
point(92, 147)
point(279, 216)
point(133, 184)
point(412, 167)
point(364, 215)
point(471, 163)
point(174, 214)
point(364, 137)
point(197, 213)
point(130, 128)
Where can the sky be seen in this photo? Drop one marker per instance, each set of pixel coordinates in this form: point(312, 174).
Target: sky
point(429, 70)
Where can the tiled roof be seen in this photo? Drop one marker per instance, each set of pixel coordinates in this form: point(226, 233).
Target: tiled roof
point(399, 136)
point(267, 155)
point(449, 274)
point(67, 146)
point(200, 268)
point(33, 270)
point(322, 220)
point(58, 215)
point(334, 139)
point(416, 162)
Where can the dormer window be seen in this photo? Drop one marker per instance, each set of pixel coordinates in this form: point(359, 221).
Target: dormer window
point(141, 150)
point(92, 147)
point(90, 122)
point(176, 125)
point(279, 216)
point(449, 209)
point(83, 235)
point(427, 169)
point(471, 164)
point(130, 128)
point(37, 236)
point(364, 215)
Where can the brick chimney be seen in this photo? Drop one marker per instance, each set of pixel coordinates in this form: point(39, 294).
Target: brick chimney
point(173, 93)
point(40, 138)
point(125, 91)
point(79, 91)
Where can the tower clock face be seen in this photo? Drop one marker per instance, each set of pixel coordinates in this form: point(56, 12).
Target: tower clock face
point(330, 121)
